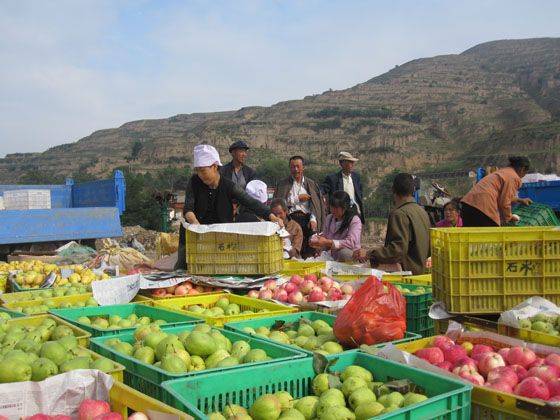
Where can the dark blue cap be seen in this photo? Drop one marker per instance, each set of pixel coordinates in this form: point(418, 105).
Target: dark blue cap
point(238, 145)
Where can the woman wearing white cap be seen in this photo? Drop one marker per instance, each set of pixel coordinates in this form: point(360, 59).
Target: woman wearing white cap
point(256, 189)
point(209, 197)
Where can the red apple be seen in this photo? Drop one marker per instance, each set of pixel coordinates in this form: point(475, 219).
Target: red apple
point(539, 361)
point(295, 297)
point(466, 363)
point(499, 385)
point(554, 399)
point(38, 417)
point(472, 376)
point(532, 387)
point(89, 409)
point(489, 362)
point(265, 294)
point(444, 365)
point(504, 353)
point(553, 359)
point(454, 352)
point(443, 341)
point(297, 280)
point(335, 294)
point(481, 348)
point(280, 294)
point(253, 294)
point(546, 372)
point(503, 373)
point(290, 287)
point(431, 354)
point(159, 292)
point(325, 283)
point(554, 387)
point(170, 289)
point(138, 416)
point(521, 356)
point(200, 289)
point(520, 371)
point(316, 296)
point(181, 290)
point(311, 277)
point(270, 284)
point(306, 286)
point(346, 289)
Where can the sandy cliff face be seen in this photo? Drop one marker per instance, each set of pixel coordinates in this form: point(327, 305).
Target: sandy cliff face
point(446, 112)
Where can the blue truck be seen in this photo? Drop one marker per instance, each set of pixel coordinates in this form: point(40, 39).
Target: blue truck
point(86, 210)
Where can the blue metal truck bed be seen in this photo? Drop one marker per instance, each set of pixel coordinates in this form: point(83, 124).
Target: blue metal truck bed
point(78, 211)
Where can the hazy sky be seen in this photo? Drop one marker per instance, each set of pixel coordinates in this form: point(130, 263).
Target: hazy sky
point(71, 67)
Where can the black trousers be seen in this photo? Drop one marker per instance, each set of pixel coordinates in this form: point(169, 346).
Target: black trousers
point(473, 217)
point(302, 219)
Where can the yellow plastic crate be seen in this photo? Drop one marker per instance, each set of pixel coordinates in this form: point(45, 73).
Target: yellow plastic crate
point(232, 253)
point(34, 321)
point(490, 270)
point(531, 336)
point(292, 267)
point(487, 403)
point(245, 304)
point(124, 398)
point(147, 294)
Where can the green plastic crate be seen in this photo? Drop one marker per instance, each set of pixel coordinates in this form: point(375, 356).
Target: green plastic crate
point(174, 319)
point(417, 308)
point(148, 379)
point(312, 316)
point(534, 214)
point(13, 314)
point(197, 396)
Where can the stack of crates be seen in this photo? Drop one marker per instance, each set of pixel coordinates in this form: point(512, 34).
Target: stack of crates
point(490, 270)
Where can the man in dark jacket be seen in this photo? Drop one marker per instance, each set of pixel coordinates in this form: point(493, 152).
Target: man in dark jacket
point(236, 170)
point(305, 205)
point(408, 232)
point(346, 180)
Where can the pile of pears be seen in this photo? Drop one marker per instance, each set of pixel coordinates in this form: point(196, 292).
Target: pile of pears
point(316, 336)
point(69, 290)
point(45, 305)
point(416, 291)
point(351, 395)
point(115, 322)
point(35, 353)
point(222, 307)
point(199, 348)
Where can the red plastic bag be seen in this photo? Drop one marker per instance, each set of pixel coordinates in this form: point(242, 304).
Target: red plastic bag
point(375, 314)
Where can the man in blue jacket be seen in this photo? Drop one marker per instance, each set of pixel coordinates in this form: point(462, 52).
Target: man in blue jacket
point(346, 180)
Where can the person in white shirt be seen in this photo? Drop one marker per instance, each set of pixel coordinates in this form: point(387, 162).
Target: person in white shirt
point(305, 205)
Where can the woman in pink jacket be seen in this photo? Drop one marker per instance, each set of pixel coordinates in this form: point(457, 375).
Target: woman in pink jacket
point(342, 231)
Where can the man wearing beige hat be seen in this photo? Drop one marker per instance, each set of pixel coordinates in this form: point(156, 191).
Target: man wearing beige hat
point(346, 180)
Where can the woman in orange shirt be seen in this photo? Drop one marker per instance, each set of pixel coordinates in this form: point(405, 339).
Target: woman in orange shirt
point(495, 194)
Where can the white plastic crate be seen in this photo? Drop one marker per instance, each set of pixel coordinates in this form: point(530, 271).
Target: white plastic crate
point(27, 199)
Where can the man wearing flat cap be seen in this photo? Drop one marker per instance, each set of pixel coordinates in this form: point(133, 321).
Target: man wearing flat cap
point(346, 180)
point(236, 170)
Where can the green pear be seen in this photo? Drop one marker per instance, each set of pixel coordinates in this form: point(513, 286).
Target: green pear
point(413, 398)
point(28, 346)
point(43, 368)
point(114, 319)
point(255, 355)
point(337, 413)
point(68, 342)
point(14, 370)
point(266, 407)
point(360, 396)
point(306, 330)
point(84, 320)
point(212, 360)
point(123, 347)
point(285, 398)
point(76, 363)
point(112, 341)
point(153, 338)
point(232, 410)
point(60, 331)
point(351, 384)
point(291, 414)
point(145, 354)
point(205, 328)
point(308, 406)
point(197, 363)
point(222, 303)
point(173, 364)
point(54, 351)
point(103, 364)
point(168, 345)
point(393, 398)
point(228, 361)
point(354, 370)
point(200, 344)
point(368, 410)
point(215, 415)
point(239, 349)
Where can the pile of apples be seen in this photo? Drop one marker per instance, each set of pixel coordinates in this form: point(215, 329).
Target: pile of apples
point(306, 289)
point(89, 410)
point(516, 370)
point(184, 288)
